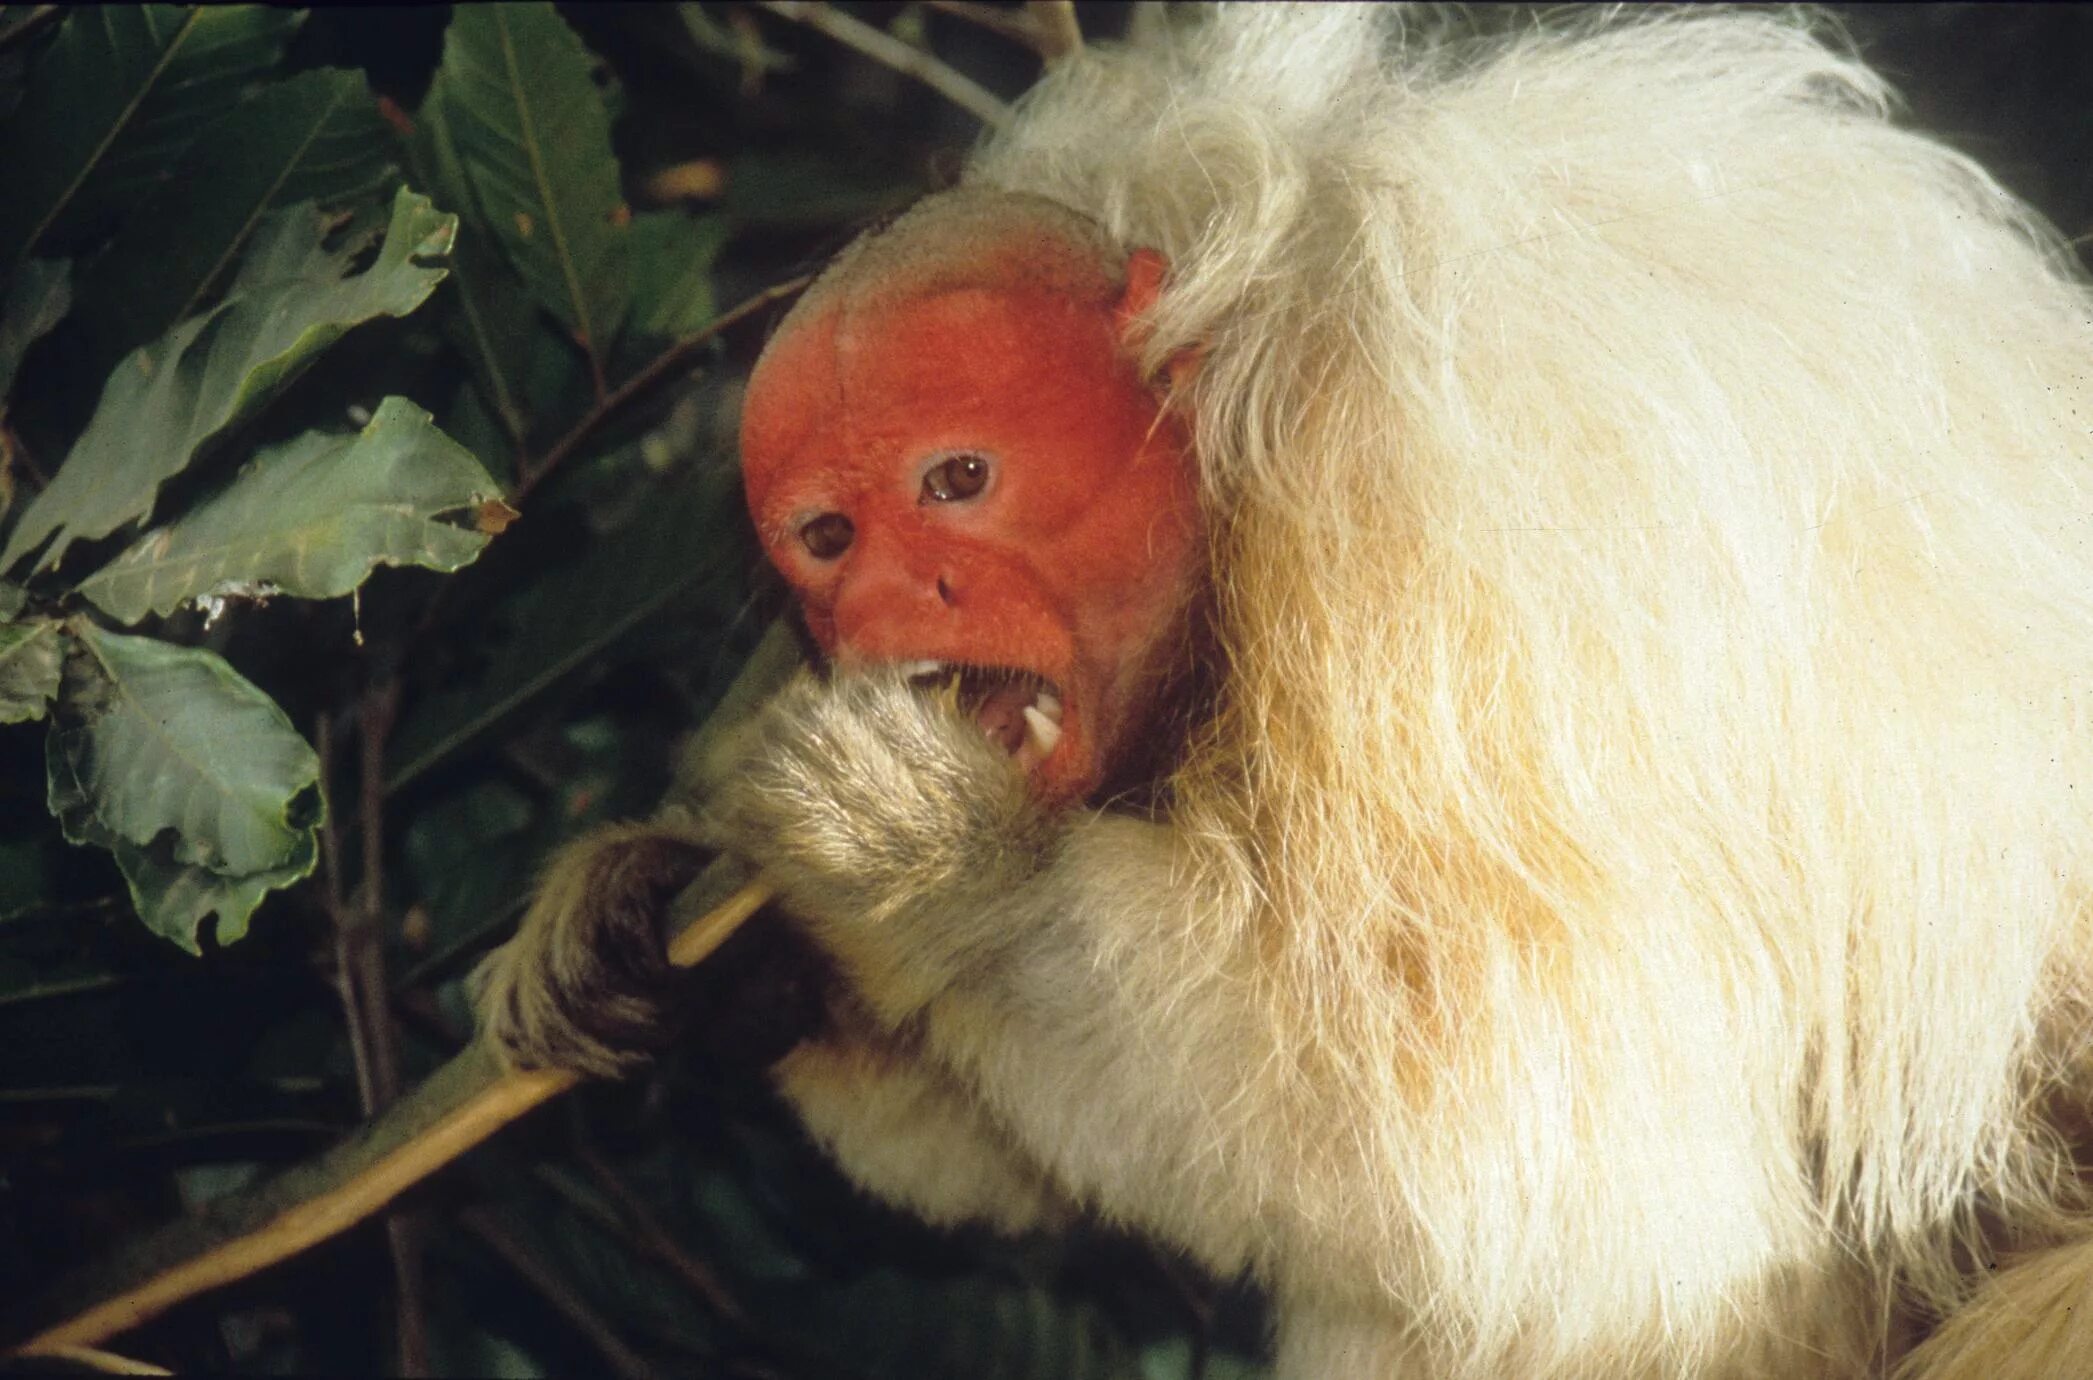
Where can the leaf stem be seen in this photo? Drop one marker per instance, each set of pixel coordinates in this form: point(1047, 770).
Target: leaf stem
point(622, 1359)
point(883, 47)
point(36, 19)
point(1047, 27)
point(638, 1219)
point(666, 363)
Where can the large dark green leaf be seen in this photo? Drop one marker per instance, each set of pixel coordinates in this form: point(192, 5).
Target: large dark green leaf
point(485, 311)
point(188, 773)
point(469, 857)
point(672, 257)
point(225, 52)
point(311, 518)
point(533, 135)
point(30, 656)
point(316, 137)
point(104, 65)
point(566, 621)
point(210, 372)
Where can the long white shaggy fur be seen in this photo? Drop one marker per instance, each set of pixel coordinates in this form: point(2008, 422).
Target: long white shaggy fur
point(1651, 507)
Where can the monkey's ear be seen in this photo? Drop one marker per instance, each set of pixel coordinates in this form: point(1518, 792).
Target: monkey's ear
point(1145, 271)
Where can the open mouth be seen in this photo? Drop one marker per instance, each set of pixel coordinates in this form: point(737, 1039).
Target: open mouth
point(1015, 709)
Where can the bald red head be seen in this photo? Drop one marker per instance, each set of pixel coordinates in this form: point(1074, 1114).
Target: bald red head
point(955, 459)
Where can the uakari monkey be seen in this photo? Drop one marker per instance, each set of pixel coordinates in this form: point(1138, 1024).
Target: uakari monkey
point(1520, 764)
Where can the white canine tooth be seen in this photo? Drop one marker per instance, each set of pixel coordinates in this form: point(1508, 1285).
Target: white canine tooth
point(913, 669)
point(1046, 704)
point(1045, 732)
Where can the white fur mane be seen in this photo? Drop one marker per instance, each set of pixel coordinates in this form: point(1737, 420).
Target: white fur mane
point(1651, 495)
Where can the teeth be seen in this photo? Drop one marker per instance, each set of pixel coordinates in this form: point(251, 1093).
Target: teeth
point(1048, 705)
point(916, 670)
point(1044, 732)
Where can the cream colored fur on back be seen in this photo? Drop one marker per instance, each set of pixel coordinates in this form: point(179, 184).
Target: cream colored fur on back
point(1651, 503)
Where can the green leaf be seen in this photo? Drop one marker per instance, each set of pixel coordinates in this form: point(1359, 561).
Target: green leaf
point(311, 518)
point(226, 51)
point(167, 399)
point(469, 858)
point(487, 314)
point(31, 654)
point(191, 776)
point(169, 737)
point(172, 898)
point(533, 136)
point(672, 257)
point(37, 299)
point(316, 137)
point(568, 618)
point(104, 65)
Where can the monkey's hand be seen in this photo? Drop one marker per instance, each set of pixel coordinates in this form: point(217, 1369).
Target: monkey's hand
point(586, 982)
point(888, 824)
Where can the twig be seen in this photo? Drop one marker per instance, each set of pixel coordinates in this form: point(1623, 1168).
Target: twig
point(345, 965)
point(1048, 29)
point(106, 1362)
point(664, 364)
point(366, 957)
point(883, 47)
point(570, 1305)
point(1060, 36)
point(1015, 25)
point(359, 984)
point(374, 725)
point(37, 18)
point(701, 1279)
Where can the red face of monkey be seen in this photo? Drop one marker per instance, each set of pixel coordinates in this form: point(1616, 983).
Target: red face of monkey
point(978, 479)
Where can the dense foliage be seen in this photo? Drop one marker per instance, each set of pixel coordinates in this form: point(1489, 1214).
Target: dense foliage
point(367, 383)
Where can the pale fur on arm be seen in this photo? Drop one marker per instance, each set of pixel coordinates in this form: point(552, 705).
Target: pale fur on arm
point(1034, 960)
point(909, 1133)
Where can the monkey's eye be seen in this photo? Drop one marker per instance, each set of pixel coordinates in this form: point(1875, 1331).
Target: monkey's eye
point(826, 537)
point(955, 477)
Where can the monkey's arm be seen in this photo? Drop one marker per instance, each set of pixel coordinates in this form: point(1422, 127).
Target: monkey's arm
point(585, 986)
point(907, 1132)
point(1061, 964)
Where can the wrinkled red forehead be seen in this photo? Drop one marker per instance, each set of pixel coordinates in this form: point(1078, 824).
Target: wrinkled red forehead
point(848, 391)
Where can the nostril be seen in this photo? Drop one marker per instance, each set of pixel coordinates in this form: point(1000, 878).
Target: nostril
point(946, 592)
